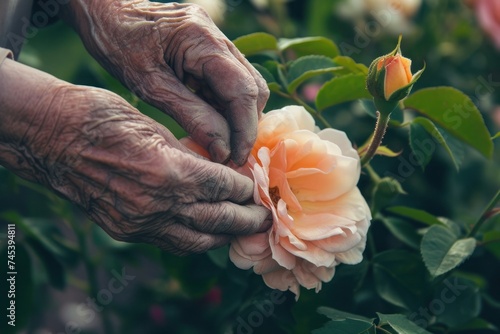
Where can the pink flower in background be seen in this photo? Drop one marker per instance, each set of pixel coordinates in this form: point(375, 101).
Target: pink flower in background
point(488, 15)
point(157, 314)
point(310, 91)
point(307, 178)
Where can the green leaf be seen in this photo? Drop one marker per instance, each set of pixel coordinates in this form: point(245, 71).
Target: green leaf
point(400, 278)
point(266, 74)
point(350, 65)
point(491, 239)
point(51, 237)
point(348, 326)
point(256, 43)
point(453, 226)
point(442, 250)
point(456, 302)
point(400, 323)
point(497, 135)
point(384, 192)
point(387, 152)
point(403, 231)
point(415, 214)
point(475, 325)
point(272, 67)
point(456, 113)
point(309, 46)
point(272, 84)
point(307, 67)
point(451, 145)
point(46, 232)
point(422, 144)
point(342, 89)
point(337, 315)
point(53, 267)
point(270, 71)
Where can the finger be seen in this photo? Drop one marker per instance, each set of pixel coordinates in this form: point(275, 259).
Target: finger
point(216, 182)
point(232, 83)
point(181, 240)
point(204, 124)
point(264, 93)
point(225, 217)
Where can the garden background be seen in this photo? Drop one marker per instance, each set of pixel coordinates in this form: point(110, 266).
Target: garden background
point(63, 259)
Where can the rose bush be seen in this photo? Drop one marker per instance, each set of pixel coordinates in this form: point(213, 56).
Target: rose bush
point(307, 178)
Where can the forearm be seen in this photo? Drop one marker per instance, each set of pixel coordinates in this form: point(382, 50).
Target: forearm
point(26, 100)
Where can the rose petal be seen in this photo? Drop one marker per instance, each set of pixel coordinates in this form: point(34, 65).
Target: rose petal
point(313, 254)
point(395, 76)
point(352, 256)
point(306, 278)
point(266, 266)
point(240, 261)
point(320, 226)
point(325, 274)
point(282, 280)
point(339, 243)
point(341, 140)
point(321, 186)
point(350, 205)
point(253, 245)
point(281, 255)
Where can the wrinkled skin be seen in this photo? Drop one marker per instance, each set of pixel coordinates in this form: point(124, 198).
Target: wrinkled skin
point(175, 58)
point(128, 173)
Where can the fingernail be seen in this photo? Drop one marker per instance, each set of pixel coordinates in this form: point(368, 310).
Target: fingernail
point(267, 224)
point(219, 151)
point(238, 158)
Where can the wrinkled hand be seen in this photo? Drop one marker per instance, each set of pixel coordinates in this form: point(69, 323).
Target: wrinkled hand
point(175, 58)
point(129, 174)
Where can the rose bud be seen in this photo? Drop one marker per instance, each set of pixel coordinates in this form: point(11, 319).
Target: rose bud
point(390, 79)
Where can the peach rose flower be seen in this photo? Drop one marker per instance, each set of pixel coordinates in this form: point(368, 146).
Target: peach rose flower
point(307, 178)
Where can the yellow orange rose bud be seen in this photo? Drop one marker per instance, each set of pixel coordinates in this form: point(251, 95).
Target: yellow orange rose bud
point(390, 79)
point(397, 73)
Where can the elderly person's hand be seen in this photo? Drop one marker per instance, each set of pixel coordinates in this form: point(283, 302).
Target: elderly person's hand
point(175, 58)
point(127, 172)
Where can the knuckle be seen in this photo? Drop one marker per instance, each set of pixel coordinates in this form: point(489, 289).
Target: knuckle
point(225, 219)
point(264, 91)
point(218, 184)
point(197, 11)
point(248, 87)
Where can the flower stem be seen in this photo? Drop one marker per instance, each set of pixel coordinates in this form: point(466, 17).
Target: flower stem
point(378, 135)
point(484, 217)
point(373, 174)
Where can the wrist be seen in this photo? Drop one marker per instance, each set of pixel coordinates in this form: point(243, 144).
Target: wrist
point(27, 116)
